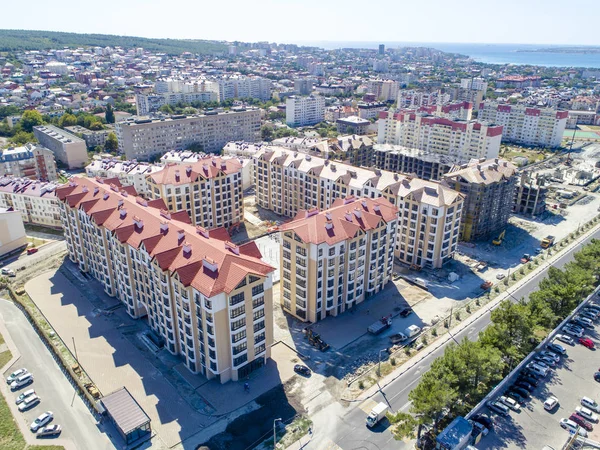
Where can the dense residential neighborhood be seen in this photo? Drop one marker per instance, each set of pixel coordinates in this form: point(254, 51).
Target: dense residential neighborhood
point(230, 245)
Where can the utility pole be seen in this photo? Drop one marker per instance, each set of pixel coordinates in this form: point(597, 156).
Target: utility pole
point(275, 433)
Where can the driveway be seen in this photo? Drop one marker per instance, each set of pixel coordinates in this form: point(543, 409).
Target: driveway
point(57, 394)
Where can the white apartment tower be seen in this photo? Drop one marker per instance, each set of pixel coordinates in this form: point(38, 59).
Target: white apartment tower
point(304, 111)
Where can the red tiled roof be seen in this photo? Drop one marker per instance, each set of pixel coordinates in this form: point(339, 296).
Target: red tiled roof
point(205, 168)
point(342, 221)
point(119, 212)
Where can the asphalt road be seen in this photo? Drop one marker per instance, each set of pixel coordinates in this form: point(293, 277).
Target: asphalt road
point(349, 431)
point(55, 391)
point(16, 262)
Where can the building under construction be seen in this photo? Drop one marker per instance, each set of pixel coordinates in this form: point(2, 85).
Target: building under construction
point(424, 165)
point(530, 195)
point(489, 186)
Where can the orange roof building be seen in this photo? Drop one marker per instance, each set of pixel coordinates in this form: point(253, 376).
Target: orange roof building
point(191, 282)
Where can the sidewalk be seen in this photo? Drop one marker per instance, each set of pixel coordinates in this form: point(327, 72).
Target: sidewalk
point(443, 340)
point(8, 394)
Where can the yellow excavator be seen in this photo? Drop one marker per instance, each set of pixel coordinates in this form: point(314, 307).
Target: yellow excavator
point(499, 239)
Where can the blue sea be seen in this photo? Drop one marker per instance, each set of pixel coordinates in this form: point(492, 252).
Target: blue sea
point(486, 53)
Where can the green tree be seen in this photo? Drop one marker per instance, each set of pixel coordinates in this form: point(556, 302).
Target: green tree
point(195, 147)
point(266, 133)
point(22, 138)
point(404, 425)
point(30, 119)
point(109, 114)
point(166, 109)
point(111, 143)
point(67, 120)
point(432, 396)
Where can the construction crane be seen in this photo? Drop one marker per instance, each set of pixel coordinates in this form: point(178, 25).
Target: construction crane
point(499, 239)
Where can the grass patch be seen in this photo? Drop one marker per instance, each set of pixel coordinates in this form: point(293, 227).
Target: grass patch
point(5, 357)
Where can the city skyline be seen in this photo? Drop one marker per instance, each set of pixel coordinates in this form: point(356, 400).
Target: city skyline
point(243, 23)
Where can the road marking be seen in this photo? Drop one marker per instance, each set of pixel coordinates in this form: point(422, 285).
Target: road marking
point(405, 388)
point(405, 406)
point(330, 445)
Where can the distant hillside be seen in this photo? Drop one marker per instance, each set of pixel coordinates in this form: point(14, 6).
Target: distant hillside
point(11, 40)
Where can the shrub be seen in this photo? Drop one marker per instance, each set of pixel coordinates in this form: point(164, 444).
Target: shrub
point(457, 316)
point(361, 384)
point(393, 361)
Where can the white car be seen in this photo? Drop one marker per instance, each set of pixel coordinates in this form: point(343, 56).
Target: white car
point(571, 426)
point(572, 331)
point(566, 339)
point(16, 374)
point(511, 403)
point(550, 403)
point(42, 420)
point(586, 413)
point(590, 404)
point(29, 402)
point(24, 395)
point(589, 315)
point(9, 272)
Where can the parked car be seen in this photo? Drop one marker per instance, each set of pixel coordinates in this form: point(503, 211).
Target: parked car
point(498, 407)
point(550, 403)
point(24, 395)
point(517, 397)
point(50, 430)
point(511, 403)
point(42, 420)
point(571, 426)
point(522, 392)
point(590, 314)
point(556, 348)
point(29, 402)
point(586, 342)
point(538, 368)
point(566, 339)
point(549, 362)
point(8, 272)
point(523, 384)
point(500, 276)
point(549, 354)
point(597, 376)
point(406, 312)
point(479, 427)
point(484, 420)
point(23, 380)
point(32, 250)
point(572, 331)
point(302, 370)
point(586, 413)
point(584, 322)
point(530, 373)
point(532, 381)
point(581, 422)
point(590, 404)
point(16, 374)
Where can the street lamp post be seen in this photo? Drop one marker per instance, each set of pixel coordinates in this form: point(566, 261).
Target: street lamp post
point(275, 432)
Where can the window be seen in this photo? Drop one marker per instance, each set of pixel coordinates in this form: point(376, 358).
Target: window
point(258, 289)
point(237, 312)
point(239, 324)
point(238, 336)
point(259, 349)
point(259, 314)
point(240, 359)
point(237, 298)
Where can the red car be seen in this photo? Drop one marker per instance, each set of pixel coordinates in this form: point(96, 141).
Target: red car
point(32, 250)
point(581, 422)
point(586, 342)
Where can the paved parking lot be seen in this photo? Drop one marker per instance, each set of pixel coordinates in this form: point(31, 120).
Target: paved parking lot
point(534, 427)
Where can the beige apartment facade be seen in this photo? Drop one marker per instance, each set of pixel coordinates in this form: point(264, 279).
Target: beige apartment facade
point(332, 260)
point(287, 182)
point(209, 299)
point(210, 190)
point(36, 201)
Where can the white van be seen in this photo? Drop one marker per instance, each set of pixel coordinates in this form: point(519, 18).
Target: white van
point(23, 380)
point(536, 368)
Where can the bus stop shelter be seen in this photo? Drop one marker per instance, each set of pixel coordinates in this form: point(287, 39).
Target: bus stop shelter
point(129, 418)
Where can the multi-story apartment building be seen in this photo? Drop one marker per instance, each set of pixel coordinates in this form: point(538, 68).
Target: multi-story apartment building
point(12, 231)
point(287, 182)
point(210, 190)
point(149, 103)
point(67, 148)
point(455, 138)
point(210, 299)
point(130, 173)
point(241, 86)
point(424, 165)
point(352, 149)
point(370, 110)
point(145, 138)
point(303, 86)
point(530, 195)
point(303, 111)
point(543, 127)
point(92, 138)
point(489, 187)
point(332, 260)
point(476, 83)
point(35, 200)
point(459, 110)
point(384, 90)
point(352, 125)
point(30, 161)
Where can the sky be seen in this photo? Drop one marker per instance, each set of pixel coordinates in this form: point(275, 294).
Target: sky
point(300, 21)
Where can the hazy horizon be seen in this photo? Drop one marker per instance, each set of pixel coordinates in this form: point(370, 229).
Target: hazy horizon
point(536, 22)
